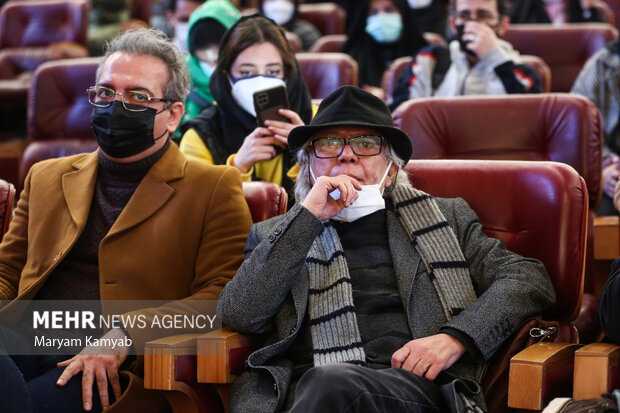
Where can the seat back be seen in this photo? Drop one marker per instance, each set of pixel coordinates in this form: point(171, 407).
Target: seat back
point(7, 200)
point(328, 18)
point(614, 6)
point(265, 199)
point(58, 105)
point(31, 23)
point(541, 68)
point(547, 127)
point(326, 72)
point(331, 43)
point(605, 11)
point(42, 150)
point(141, 10)
point(544, 40)
point(537, 209)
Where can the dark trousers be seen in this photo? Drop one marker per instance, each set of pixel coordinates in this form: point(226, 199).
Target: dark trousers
point(28, 383)
point(350, 388)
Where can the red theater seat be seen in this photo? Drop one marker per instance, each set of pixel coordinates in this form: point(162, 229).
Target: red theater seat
point(564, 48)
point(548, 127)
point(59, 112)
point(326, 72)
point(328, 18)
point(27, 29)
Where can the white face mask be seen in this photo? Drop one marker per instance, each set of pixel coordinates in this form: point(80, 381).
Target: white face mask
point(280, 11)
point(369, 200)
point(419, 4)
point(207, 69)
point(180, 36)
point(243, 90)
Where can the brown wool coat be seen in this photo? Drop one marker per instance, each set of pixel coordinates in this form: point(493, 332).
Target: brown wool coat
point(180, 236)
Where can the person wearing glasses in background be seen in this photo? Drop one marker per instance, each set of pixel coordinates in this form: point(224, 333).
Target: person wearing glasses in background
point(478, 62)
point(371, 295)
point(134, 220)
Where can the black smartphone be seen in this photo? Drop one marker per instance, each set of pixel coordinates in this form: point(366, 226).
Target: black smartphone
point(268, 101)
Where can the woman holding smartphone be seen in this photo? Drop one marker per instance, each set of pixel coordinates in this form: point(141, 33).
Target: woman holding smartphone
point(254, 55)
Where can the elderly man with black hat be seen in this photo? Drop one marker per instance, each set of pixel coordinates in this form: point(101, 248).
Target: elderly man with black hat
point(372, 295)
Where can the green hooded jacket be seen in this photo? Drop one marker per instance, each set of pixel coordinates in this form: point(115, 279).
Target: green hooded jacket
point(226, 14)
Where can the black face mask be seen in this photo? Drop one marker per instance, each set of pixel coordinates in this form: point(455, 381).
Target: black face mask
point(121, 133)
point(460, 30)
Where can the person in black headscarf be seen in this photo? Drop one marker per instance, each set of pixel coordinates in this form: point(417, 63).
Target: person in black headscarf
point(254, 55)
point(284, 13)
point(554, 11)
point(379, 32)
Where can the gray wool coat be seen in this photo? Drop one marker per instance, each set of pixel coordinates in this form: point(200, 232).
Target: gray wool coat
point(269, 296)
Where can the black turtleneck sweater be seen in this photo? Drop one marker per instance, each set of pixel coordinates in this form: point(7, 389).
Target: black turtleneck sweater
point(77, 276)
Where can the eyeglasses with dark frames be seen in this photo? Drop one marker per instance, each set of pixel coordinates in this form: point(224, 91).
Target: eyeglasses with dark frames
point(365, 145)
point(133, 100)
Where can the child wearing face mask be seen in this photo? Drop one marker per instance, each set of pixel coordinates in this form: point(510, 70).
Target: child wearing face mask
point(284, 13)
point(206, 27)
point(254, 55)
point(380, 31)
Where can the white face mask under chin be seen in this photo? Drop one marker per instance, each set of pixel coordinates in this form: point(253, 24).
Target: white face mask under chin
point(243, 90)
point(369, 200)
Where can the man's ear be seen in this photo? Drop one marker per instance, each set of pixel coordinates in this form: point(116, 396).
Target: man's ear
point(503, 25)
point(175, 111)
point(391, 176)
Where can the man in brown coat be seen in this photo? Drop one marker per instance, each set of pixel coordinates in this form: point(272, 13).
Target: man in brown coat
point(134, 220)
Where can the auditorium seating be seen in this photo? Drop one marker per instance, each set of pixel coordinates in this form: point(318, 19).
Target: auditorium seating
point(556, 127)
point(328, 18)
point(31, 32)
point(538, 209)
point(27, 28)
point(58, 111)
point(141, 10)
point(564, 48)
point(326, 72)
point(614, 6)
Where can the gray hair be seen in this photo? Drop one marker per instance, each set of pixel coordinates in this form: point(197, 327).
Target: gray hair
point(150, 42)
point(303, 186)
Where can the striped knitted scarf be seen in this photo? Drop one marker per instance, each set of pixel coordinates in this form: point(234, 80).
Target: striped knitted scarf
point(333, 323)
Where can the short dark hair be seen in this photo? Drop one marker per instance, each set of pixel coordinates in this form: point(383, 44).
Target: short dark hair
point(255, 30)
point(501, 7)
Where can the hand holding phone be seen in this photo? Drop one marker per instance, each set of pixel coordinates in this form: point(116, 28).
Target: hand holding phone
point(267, 103)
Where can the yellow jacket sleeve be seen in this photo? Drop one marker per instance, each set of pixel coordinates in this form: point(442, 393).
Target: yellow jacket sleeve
point(194, 148)
point(245, 177)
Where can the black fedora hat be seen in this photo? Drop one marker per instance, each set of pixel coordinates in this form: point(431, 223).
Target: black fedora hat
point(351, 106)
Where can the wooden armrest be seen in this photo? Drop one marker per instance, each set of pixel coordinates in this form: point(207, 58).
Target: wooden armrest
point(222, 355)
point(597, 370)
point(170, 360)
point(606, 238)
point(540, 373)
point(170, 365)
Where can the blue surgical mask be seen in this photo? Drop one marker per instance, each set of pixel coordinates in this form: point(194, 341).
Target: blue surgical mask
point(385, 27)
